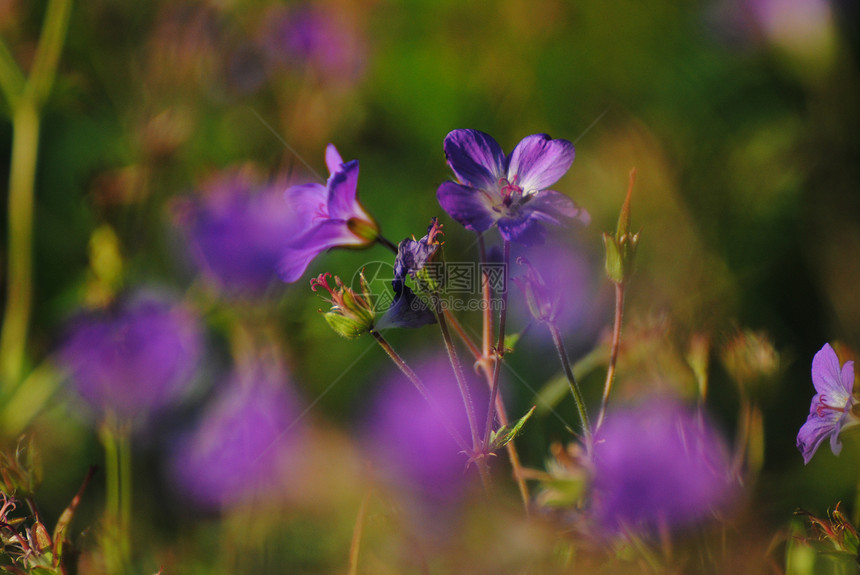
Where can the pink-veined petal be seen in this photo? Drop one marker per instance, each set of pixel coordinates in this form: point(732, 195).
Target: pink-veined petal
point(538, 162)
point(469, 206)
point(475, 157)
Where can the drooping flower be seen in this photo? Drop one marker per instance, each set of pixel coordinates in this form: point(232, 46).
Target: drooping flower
point(240, 446)
point(236, 231)
point(135, 359)
point(508, 191)
point(412, 261)
point(832, 404)
point(326, 217)
point(658, 464)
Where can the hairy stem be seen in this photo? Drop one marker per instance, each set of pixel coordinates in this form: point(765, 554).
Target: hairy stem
point(464, 393)
point(571, 380)
point(613, 354)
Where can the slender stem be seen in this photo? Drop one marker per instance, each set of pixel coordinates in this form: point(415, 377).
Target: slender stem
point(571, 380)
point(500, 347)
point(25, 125)
point(486, 293)
point(613, 354)
point(115, 437)
point(357, 531)
point(480, 461)
point(48, 51)
point(461, 333)
point(25, 99)
point(11, 79)
point(385, 242)
point(422, 389)
point(488, 359)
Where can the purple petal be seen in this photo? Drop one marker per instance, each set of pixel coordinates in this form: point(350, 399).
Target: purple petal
point(326, 235)
point(538, 162)
point(548, 205)
point(476, 158)
point(525, 230)
point(471, 207)
point(332, 159)
point(848, 377)
point(307, 202)
point(827, 375)
point(813, 433)
point(342, 187)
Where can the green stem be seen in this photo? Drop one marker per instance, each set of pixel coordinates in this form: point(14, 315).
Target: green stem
point(51, 41)
point(571, 380)
point(25, 143)
point(25, 100)
point(11, 79)
point(116, 439)
point(385, 242)
point(613, 354)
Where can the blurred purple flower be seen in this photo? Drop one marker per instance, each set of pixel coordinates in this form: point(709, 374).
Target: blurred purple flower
point(326, 217)
point(569, 293)
point(832, 404)
point(236, 231)
point(135, 359)
point(508, 191)
point(308, 36)
point(658, 464)
point(408, 434)
point(239, 447)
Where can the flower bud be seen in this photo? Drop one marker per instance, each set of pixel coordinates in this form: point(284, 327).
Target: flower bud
point(621, 247)
point(351, 314)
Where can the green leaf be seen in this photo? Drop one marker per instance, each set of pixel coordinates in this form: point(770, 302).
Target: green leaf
point(506, 433)
point(511, 340)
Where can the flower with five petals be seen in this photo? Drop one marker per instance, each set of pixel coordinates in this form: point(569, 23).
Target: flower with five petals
point(507, 191)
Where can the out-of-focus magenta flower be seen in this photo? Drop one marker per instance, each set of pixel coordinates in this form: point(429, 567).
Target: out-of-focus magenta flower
point(235, 228)
point(311, 36)
point(658, 464)
point(241, 444)
point(326, 217)
point(135, 359)
point(409, 437)
point(508, 191)
point(832, 404)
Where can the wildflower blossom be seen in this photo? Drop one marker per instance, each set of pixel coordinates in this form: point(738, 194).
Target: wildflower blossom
point(136, 359)
point(508, 191)
point(658, 464)
point(325, 217)
point(236, 231)
point(239, 446)
point(832, 404)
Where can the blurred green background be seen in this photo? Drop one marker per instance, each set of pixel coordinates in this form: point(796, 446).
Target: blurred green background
point(740, 116)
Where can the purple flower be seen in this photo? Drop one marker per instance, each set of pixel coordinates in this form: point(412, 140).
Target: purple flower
point(832, 404)
point(408, 434)
point(326, 217)
point(408, 309)
point(658, 464)
point(236, 231)
point(135, 359)
point(508, 191)
point(239, 446)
